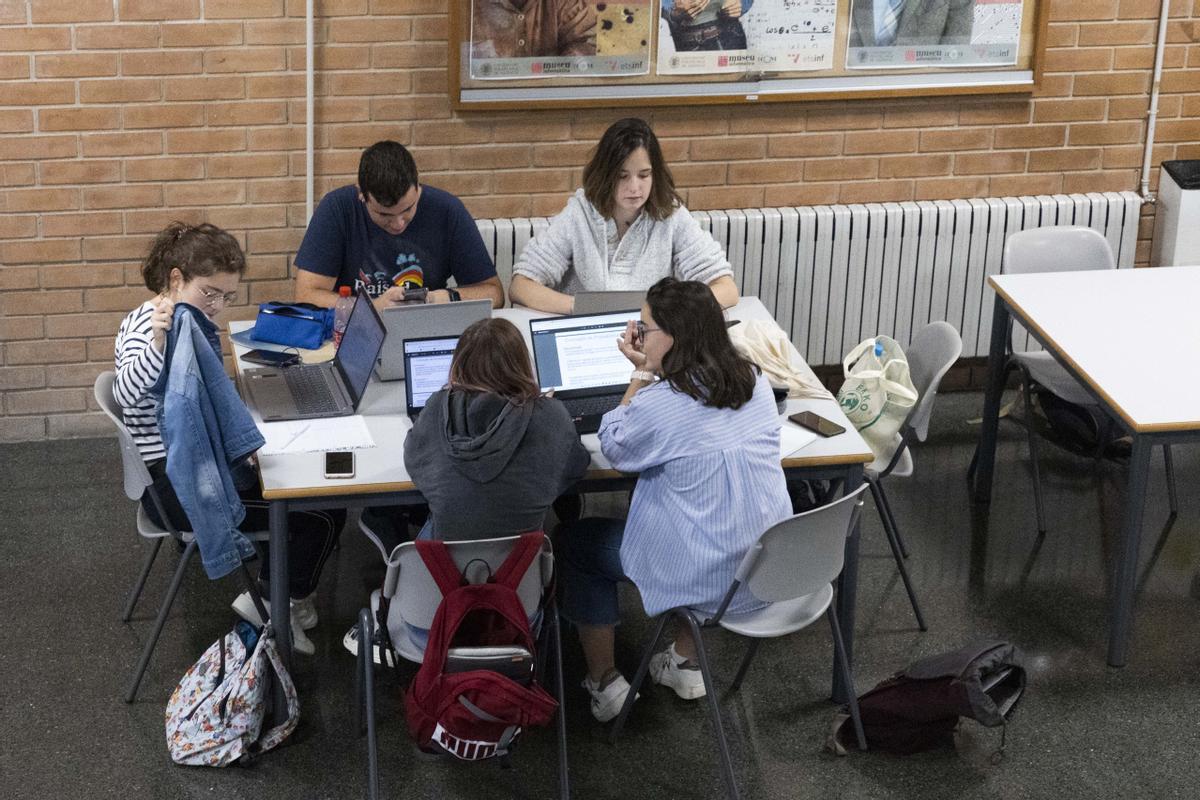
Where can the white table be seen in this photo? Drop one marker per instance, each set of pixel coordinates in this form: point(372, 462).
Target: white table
point(1130, 337)
point(297, 481)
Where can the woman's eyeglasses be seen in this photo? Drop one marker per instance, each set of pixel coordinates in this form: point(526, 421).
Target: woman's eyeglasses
point(642, 330)
point(212, 296)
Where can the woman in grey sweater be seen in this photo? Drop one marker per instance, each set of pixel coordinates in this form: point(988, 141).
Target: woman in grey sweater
point(489, 453)
point(624, 230)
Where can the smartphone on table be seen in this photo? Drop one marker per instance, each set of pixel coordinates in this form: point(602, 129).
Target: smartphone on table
point(816, 423)
point(339, 464)
point(271, 358)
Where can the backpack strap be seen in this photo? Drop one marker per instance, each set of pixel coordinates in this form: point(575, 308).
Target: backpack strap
point(523, 553)
point(441, 566)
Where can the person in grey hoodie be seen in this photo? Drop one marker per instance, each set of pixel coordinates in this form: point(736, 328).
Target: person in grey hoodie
point(624, 230)
point(489, 453)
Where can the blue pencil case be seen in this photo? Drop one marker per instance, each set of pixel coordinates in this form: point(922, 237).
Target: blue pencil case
point(294, 324)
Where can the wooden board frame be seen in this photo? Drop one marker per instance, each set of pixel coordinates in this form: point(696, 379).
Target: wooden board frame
point(686, 90)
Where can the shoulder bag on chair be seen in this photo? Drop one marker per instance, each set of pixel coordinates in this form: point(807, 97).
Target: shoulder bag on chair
point(878, 393)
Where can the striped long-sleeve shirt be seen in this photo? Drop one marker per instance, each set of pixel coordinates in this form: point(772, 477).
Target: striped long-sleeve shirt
point(710, 483)
point(138, 367)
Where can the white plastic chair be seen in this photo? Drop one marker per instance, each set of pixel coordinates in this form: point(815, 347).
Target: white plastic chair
point(411, 596)
point(137, 483)
point(792, 566)
point(930, 355)
point(1062, 248)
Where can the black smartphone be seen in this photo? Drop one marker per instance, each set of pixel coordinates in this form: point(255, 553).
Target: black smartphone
point(815, 422)
point(339, 464)
point(271, 358)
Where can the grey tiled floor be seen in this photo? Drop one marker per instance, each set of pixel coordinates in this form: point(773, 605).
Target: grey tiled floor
point(68, 555)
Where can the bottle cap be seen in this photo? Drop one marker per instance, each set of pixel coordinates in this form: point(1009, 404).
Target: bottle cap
point(344, 291)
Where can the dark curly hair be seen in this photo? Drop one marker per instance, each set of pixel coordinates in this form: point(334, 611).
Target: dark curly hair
point(196, 250)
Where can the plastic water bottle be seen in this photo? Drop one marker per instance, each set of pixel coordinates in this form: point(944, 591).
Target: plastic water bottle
point(341, 314)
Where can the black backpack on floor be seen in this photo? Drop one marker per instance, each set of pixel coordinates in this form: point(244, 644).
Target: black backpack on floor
point(919, 707)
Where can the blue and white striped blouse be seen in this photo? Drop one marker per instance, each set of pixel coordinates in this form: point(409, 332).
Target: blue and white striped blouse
point(710, 483)
point(138, 367)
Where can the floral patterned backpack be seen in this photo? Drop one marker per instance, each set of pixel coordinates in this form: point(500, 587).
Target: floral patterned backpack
point(215, 715)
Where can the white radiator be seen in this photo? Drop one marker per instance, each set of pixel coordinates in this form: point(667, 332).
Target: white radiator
point(834, 275)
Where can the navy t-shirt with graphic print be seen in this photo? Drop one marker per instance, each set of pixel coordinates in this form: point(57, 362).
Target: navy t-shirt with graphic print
point(343, 243)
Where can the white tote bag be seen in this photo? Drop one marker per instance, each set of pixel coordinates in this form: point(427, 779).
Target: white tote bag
point(878, 392)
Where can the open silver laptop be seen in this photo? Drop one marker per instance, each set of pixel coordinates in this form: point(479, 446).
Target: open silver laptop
point(577, 357)
point(419, 321)
point(330, 389)
point(601, 302)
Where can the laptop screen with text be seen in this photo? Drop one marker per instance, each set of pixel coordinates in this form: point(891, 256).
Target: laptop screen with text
point(426, 368)
point(580, 352)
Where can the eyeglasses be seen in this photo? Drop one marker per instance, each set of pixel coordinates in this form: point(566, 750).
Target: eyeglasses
point(212, 296)
point(642, 330)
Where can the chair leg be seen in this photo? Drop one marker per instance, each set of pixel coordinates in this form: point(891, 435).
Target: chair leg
point(366, 670)
point(141, 582)
point(744, 667)
point(876, 491)
point(564, 777)
point(638, 678)
point(1172, 494)
point(839, 653)
point(714, 708)
point(159, 622)
point(891, 519)
point(1034, 455)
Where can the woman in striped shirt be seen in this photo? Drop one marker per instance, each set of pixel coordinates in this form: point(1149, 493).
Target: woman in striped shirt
point(700, 427)
point(201, 265)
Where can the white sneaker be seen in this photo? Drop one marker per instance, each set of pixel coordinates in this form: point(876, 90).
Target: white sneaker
point(304, 611)
point(668, 669)
point(244, 606)
point(382, 654)
point(607, 700)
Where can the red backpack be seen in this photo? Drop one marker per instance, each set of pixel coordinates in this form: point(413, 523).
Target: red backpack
point(476, 713)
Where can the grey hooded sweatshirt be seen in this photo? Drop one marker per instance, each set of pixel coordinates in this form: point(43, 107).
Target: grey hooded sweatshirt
point(489, 468)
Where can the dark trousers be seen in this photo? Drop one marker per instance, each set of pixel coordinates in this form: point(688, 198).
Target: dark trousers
point(312, 535)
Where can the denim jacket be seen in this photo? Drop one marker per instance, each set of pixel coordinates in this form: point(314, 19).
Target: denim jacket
point(207, 431)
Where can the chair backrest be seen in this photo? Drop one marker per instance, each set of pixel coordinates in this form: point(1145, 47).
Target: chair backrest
point(137, 477)
point(1058, 248)
point(801, 554)
point(409, 583)
point(930, 355)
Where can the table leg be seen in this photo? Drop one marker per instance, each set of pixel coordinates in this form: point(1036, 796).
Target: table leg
point(1129, 547)
point(985, 457)
point(281, 611)
point(847, 593)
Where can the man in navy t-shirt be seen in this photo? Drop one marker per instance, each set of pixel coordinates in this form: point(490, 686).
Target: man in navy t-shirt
point(390, 234)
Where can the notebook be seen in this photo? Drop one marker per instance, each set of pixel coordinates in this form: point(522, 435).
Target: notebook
point(423, 320)
point(426, 368)
point(329, 389)
point(601, 302)
point(577, 357)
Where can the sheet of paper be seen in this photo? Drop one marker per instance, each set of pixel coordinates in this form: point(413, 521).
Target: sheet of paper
point(315, 435)
point(792, 438)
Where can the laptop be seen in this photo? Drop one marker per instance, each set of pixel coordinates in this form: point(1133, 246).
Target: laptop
point(577, 357)
point(330, 389)
point(601, 302)
point(426, 369)
point(422, 320)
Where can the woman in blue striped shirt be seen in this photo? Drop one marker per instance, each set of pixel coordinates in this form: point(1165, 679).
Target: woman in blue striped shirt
point(700, 427)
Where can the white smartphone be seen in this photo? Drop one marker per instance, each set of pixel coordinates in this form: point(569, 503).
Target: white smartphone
point(339, 464)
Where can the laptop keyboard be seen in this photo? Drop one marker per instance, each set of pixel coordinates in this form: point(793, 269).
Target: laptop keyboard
point(591, 406)
point(309, 390)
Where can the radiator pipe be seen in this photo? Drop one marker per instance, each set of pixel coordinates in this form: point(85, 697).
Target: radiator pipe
point(1152, 112)
point(308, 109)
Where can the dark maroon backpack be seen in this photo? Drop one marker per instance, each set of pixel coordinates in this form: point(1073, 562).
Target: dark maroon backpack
point(919, 707)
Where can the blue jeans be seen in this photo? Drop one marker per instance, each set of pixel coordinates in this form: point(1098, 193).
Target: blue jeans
point(589, 562)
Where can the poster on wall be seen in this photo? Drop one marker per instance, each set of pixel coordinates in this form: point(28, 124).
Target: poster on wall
point(905, 34)
point(716, 36)
point(522, 39)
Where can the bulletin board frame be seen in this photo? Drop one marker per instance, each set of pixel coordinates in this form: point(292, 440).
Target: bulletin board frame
point(751, 88)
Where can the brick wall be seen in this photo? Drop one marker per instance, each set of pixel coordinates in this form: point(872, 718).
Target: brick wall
point(117, 116)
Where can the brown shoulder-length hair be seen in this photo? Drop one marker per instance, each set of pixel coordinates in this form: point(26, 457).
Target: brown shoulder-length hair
point(702, 363)
point(601, 174)
point(198, 251)
point(491, 357)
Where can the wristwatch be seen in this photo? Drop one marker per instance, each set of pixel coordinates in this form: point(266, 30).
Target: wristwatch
point(454, 295)
point(643, 375)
